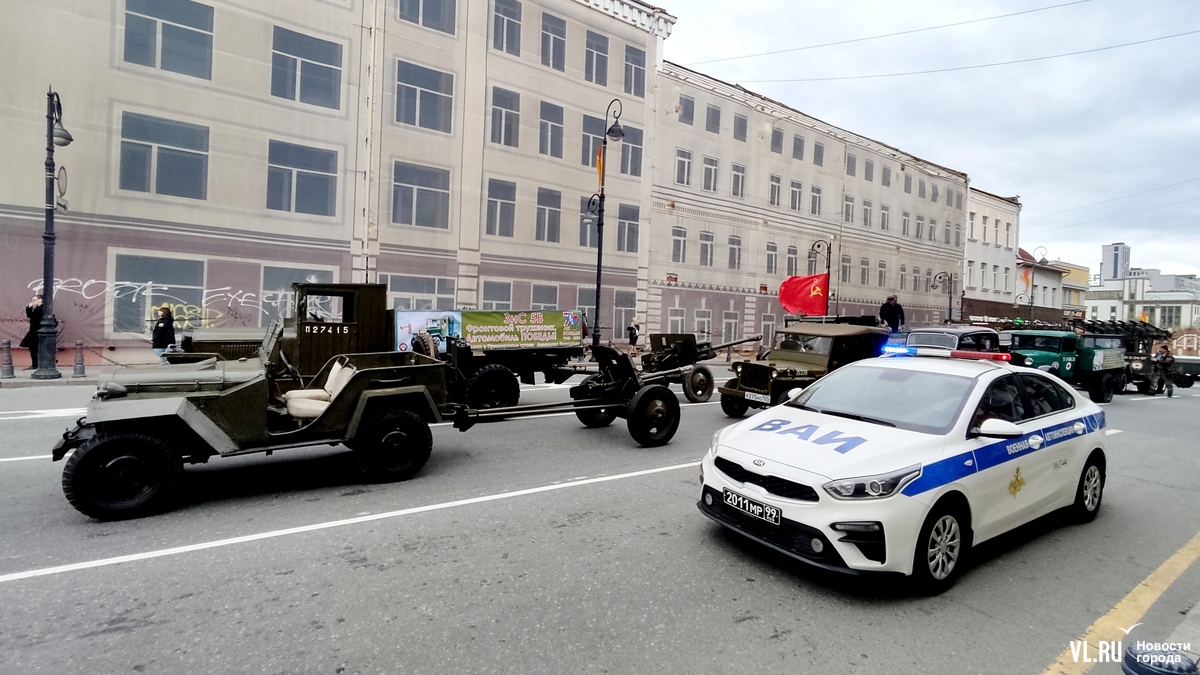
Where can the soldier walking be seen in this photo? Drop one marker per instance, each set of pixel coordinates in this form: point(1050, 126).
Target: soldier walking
point(1163, 372)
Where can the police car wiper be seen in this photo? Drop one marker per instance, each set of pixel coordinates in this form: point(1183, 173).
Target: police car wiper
point(860, 418)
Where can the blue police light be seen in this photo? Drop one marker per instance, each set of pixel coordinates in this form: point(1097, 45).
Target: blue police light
point(894, 350)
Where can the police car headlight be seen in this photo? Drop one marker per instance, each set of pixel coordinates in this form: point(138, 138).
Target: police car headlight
point(716, 441)
point(873, 487)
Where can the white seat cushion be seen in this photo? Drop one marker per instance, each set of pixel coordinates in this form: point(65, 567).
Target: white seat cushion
point(306, 408)
point(336, 384)
point(310, 394)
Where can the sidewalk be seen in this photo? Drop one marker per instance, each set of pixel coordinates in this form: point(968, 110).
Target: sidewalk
point(95, 364)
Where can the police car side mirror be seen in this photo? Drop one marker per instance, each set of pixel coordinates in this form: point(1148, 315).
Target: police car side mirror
point(793, 393)
point(996, 428)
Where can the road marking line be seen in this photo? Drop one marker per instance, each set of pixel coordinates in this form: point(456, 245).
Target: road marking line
point(22, 459)
point(1131, 608)
point(178, 550)
point(1110, 432)
point(41, 414)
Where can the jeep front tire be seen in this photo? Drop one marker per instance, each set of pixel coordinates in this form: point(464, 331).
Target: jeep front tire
point(115, 476)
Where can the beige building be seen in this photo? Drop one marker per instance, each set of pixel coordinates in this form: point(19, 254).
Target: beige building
point(990, 271)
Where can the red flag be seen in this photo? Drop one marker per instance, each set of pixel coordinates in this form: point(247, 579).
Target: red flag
point(805, 295)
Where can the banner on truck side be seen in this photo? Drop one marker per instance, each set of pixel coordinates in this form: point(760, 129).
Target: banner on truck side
point(485, 329)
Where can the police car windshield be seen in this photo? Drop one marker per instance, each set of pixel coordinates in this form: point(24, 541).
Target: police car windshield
point(918, 401)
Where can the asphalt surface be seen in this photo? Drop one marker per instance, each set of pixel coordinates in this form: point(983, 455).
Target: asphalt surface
point(539, 546)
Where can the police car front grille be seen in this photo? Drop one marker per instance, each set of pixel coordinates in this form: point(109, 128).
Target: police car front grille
point(780, 487)
point(755, 377)
point(793, 538)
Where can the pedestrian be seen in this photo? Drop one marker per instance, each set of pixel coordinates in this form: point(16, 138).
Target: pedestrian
point(633, 331)
point(33, 311)
point(163, 335)
point(892, 314)
point(1163, 372)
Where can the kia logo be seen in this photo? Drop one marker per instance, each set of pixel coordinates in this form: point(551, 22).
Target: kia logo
point(759, 462)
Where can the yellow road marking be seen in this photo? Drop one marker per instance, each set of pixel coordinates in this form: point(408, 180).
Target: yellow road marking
point(1130, 609)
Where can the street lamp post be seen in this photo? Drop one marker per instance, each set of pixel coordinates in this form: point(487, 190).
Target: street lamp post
point(822, 247)
point(48, 330)
point(947, 279)
point(596, 204)
point(1027, 296)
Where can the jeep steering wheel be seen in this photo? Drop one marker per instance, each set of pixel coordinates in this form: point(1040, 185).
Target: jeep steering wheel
point(290, 369)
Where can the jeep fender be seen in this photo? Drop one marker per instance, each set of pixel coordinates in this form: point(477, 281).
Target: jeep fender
point(374, 401)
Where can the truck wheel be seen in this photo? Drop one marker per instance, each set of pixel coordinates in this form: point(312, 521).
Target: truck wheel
point(1183, 381)
point(733, 406)
point(1120, 381)
point(595, 418)
point(493, 386)
point(121, 475)
point(1102, 389)
point(698, 385)
point(1143, 387)
point(653, 415)
point(393, 446)
point(424, 343)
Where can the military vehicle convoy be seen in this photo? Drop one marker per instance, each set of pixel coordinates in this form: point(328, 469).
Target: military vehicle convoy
point(144, 424)
point(1094, 363)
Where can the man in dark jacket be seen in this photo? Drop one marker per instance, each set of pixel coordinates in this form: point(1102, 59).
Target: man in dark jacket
point(1163, 372)
point(34, 312)
point(163, 335)
point(892, 314)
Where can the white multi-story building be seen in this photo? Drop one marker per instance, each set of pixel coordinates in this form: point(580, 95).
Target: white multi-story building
point(1169, 301)
point(990, 271)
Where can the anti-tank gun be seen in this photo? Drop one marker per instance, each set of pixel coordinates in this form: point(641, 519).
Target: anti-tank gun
point(670, 351)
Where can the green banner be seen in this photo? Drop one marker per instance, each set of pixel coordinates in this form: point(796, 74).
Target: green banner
point(547, 328)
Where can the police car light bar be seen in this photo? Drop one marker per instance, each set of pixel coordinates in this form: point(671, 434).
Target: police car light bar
point(894, 350)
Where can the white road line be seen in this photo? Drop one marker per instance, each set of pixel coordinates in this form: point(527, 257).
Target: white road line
point(6, 415)
point(1111, 432)
point(22, 459)
point(104, 562)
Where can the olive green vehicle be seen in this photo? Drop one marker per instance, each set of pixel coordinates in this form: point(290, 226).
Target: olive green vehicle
point(799, 355)
point(144, 424)
point(1094, 363)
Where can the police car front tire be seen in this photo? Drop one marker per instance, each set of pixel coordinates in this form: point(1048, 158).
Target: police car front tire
point(1090, 492)
point(941, 549)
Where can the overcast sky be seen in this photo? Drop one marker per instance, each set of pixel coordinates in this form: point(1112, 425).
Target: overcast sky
point(1101, 147)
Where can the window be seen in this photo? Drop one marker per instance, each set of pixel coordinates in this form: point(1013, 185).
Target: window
point(866, 211)
point(815, 207)
point(435, 14)
point(844, 270)
point(950, 196)
point(848, 209)
point(163, 156)
point(1006, 273)
point(798, 147)
point(885, 216)
point(737, 185)
point(706, 249)
point(550, 130)
point(996, 282)
point(687, 109)
point(958, 234)
point(501, 207)
point(851, 162)
point(958, 200)
point(996, 230)
point(971, 226)
point(768, 329)
point(301, 179)
point(278, 300)
point(595, 62)
point(885, 176)
point(635, 71)
point(868, 170)
point(735, 252)
point(169, 280)
point(683, 166)
point(543, 298)
point(729, 327)
point(424, 97)
point(712, 120)
point(864, 271)
point(703, 324)
point(904, 222)
point(985, 228)
point(812, 262)
point(932, 230)
point(907, 184)
point(676, 316)
point(946, 233)
point(1045, 396)
point(921, 188)
point(420, 196)
point(933, 192)
point(416, 292)
point(554, 42)
point(797, 196)
point(506, 27)
point(627, 228)
point(497, 295)
point(624, 307)
point(678, 245)
point(593, 139)
point(506, 116)
point(920, 229)
point(772, 257)
point(174, 35)
point(775, 190)
point(549, 215)
point(1008, 235)
point(306, 69)
point(793, 261)
point(710, 174)
point(970, 273)
point(585, 299)
point(818, 154)
point(588, 230)
point(631, 152)
point(739, 128)
point(903, 272)
point(882, 274)
point(916, 279)
point(983, 275)
point(777, 141)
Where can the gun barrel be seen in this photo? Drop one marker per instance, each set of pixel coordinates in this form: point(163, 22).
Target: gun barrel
point(723, 345)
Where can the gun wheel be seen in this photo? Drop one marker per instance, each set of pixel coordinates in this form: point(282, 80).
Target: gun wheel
point(653, 416)
point(698, 385)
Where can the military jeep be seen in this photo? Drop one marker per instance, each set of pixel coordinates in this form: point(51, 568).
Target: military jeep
point(145, 423)
point(799, 355)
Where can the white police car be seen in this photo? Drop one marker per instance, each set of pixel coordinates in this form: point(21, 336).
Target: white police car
point(902, 463)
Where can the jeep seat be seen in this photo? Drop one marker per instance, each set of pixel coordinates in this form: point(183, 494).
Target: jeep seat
point(310, 403)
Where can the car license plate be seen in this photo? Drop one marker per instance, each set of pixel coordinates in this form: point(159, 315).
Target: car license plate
point(751, 507)
point(761, 398)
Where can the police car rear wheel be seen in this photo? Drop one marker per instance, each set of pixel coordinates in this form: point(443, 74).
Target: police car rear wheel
point(941, 549)
point(1090, 492)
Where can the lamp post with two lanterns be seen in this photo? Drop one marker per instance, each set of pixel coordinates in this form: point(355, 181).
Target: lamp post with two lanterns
point(596, 205)
point(48, 330)
point(946, 279)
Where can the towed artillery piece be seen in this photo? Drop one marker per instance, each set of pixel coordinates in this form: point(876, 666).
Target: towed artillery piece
point(673, 351)
point(144, 424)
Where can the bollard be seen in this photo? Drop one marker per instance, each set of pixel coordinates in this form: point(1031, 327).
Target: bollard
point(728, 354)
point(6, 367)
point(79, 360)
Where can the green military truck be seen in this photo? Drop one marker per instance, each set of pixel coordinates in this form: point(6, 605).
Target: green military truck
point(1095, 363)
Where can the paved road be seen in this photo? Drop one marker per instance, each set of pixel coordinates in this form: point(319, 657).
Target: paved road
point(538, 546)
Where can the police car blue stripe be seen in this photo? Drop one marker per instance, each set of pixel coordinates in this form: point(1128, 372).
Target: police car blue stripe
point(946, 471)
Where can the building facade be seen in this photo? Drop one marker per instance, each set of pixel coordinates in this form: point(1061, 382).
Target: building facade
point(990, 272)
